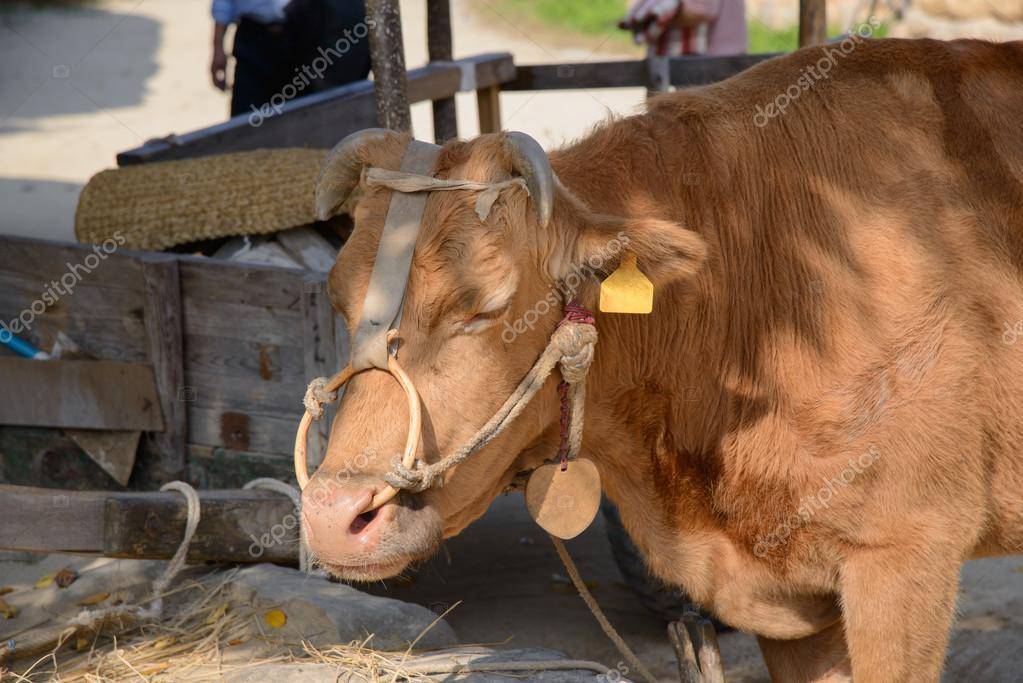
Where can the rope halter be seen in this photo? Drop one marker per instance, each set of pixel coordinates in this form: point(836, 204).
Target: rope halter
point(570, 347)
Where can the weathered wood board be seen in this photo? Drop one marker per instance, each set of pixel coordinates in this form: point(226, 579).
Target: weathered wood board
point(86, 394)
point(230, 348)
point(149, 525)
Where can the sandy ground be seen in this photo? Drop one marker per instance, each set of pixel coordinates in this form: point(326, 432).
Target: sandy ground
point(78, 85)
point(513, 589)
point(505, 587)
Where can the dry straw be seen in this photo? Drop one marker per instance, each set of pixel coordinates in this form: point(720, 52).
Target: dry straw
point(206, 637)
point(156, 206)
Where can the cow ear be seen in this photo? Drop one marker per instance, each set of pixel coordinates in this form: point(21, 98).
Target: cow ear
point(665, 251)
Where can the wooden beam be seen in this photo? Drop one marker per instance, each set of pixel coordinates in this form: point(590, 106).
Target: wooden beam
point(166, 353)
point(236, 526)
point(813, 24)
point(685, 71)
point(319, 120)
point(438, 43)
point(85, 394)
point(488, 108)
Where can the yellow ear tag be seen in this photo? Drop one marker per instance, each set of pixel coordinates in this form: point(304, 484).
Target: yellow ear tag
point(627, 290)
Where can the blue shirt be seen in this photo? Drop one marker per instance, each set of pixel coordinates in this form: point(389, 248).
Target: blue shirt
point(265, 11)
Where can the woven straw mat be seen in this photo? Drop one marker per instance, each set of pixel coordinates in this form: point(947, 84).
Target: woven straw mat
point(159, 205)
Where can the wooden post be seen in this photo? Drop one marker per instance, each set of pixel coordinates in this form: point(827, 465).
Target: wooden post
point(387, 53)
point(166, 351)
point(488, 105)
point(438, 41)
point(696, 649)
point(813, 24)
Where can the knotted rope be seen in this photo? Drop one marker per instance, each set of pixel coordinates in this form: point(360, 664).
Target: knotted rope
point(570, 349)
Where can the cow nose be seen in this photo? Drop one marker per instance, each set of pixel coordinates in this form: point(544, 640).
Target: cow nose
point(338, 522)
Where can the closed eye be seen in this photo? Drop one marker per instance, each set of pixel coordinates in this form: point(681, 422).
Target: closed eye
point(483, 320)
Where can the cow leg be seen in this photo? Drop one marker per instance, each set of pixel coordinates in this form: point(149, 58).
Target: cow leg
point(820, 658)
point(898, 605)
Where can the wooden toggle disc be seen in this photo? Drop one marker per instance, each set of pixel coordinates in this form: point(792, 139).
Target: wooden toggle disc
point(564, 503)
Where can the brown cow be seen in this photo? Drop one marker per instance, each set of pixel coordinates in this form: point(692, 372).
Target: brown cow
point(820, 420)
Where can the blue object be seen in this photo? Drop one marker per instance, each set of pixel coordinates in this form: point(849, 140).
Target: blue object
point(20, 346)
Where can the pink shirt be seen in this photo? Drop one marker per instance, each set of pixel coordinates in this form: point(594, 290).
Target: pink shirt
point(724, 32)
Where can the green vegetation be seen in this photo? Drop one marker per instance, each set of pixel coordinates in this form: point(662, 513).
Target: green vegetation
point(599, 17)
point(592, 17)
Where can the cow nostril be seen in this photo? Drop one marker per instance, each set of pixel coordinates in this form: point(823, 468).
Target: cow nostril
point(363, 521)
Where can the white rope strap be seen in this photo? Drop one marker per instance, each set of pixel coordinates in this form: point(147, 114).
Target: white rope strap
point(401, 181)
point(295, 495)
point(571, 345)
point(89, 618)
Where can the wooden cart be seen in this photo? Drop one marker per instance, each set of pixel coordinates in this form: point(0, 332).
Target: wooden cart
point(209, 359)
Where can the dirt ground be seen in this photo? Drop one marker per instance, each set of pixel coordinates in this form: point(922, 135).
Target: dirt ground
point(78, 85)
point(514, 589)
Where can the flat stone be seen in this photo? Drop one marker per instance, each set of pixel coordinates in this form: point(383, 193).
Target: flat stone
point(427, 665)
point(326, 613)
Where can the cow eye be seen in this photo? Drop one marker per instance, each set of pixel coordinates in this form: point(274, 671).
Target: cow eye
point(481, 321)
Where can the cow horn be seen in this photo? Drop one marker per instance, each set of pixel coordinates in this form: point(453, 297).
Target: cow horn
point(342, 169)
point(531, 162)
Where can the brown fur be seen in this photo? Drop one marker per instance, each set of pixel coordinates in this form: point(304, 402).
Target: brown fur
point(832, 288)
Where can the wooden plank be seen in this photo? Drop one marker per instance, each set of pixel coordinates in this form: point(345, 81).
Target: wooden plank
point(51, 520)
point(47, 261)
point(86, 394)
point(222, 468)
point(813, 24)
point(267, 434)
point(113, 450)
point(228, 282)
point(685, 71)
point(241, 321)
point(247, 394)
point(18, 291)
point(690, 71)
point(115, 339)
point(149, 525)
point(321, 355)
point(236, 526)
point(322, 119)
point(488, 108)
point(229, 358)
point(308, 248)
point(163, 330)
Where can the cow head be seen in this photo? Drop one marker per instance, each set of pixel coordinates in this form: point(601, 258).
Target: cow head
point(482, 299)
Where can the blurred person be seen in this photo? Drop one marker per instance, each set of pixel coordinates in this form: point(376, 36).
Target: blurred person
point(689, 27)
point(330, 40)
point(261, 51)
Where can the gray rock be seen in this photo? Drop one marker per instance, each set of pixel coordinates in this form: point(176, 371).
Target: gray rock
point(428, 665)
point(326, 613)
